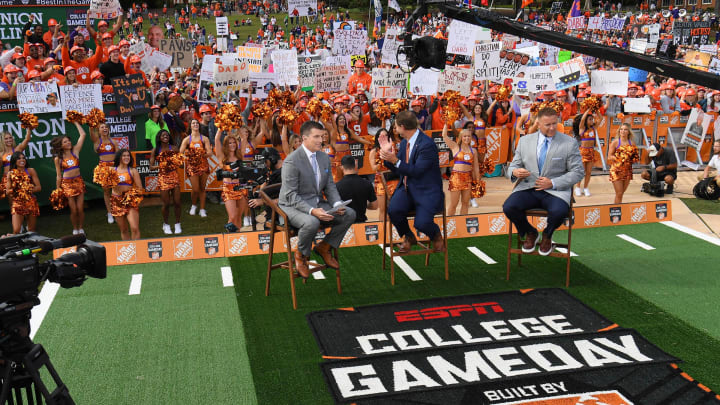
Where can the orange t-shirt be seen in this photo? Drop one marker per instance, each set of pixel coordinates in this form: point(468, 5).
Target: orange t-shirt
point(356, 82)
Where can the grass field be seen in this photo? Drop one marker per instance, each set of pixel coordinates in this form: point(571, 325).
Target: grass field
point(187, 339)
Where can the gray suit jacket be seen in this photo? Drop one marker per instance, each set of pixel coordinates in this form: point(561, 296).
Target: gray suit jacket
point(563, 164)
point(299, 192)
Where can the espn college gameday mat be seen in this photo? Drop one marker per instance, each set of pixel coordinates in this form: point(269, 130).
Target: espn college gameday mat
point(527, 347)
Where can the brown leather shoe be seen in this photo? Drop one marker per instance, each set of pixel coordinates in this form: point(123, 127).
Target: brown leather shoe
point(406, 245)
point(323, 249)
point(546, 245)
point(531, 240)
point(438, 244)
point(301, 265)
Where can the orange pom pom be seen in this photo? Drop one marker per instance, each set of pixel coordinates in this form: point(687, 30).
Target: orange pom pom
point(28, 120)
point(95, 117)
point(58, 200)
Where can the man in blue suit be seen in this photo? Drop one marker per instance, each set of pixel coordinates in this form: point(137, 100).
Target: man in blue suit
point(420, 188)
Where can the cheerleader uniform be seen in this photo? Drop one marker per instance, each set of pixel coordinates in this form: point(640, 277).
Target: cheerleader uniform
point(248, 152)
point(334, 166)
point(460, 180)
point(197, 169)
point(228, 188)
point(167, 172)
point(119, 204)
point(26, 203)
point(587, 152)
point(71, 186)
point(621, 169)
point(343, 139)
point(104, 166)
point(481, 142)
point(6, 166)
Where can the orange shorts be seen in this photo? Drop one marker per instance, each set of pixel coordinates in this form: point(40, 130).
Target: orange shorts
point(482, 146)
point(460, 181)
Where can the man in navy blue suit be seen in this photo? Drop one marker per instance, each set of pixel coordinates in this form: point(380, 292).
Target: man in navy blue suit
point(420, 188)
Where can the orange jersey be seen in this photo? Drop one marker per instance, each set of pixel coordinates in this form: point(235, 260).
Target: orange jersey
point(85, 68)
point(361, 82)
point(360, 128)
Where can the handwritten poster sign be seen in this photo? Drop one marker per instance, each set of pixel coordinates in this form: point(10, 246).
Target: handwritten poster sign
point(230, 77)
point(302, 7)
point(285, 65)
point(349, 42)
point(154, 58)
point(610, 24)
point(104, 9)
point(389, 83)
point(424, 82)
point(180, 50)
point(82, 98)
point(594, 23)
point(609, 82)
point(253, 56)
point(487, 60)
point(307, 66)
point(331, 78)
point(570, 73)
point(38, 98)
point(637, 105)
point(131, 94)
point(576, 23)
point(455, 78)
point(390, 46)
point(221, 26)
point(539, 79)
point(461, 38)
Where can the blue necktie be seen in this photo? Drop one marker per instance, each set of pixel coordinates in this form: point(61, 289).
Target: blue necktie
point(314, 163)
point(543, 154)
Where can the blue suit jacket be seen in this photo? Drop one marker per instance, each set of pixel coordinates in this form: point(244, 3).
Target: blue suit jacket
point(424, 182)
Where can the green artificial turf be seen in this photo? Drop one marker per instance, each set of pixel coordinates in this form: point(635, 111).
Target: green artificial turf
point(284, 356)
point(179, 342)
point(699, 206)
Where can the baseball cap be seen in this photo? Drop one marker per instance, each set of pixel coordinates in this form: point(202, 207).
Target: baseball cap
point(654, 149)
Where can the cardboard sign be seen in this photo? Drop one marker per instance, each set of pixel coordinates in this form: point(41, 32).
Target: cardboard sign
point(609, 82)
point(461, 38)
point(510, 65)
point(38, 98)
point(487, 60)
point(349, 42)
point(82, 98)
point(636, 105)
point(285, 67)
point(341, 60)
point(131, 94)
point(576, 23)
point(424, 82)
point(696, 128)
point(253, 56)
point(638, 45)
point(180, 50)
point(390, 47)
point(155, 59)
point(691, 32)
point(455, 78)
point(203, 50)
point(104, 9)
point(331, 78)
point(221, 26)
point(389, 83)
point(570, 73)
point(610, 24)
point(307, 66)
point(230, 77)
point(262, 83)
point(594, 23)
point(637, 75)
point(539, 79)
point(302, 8)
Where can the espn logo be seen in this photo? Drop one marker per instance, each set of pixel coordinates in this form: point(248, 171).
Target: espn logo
point(452, 311)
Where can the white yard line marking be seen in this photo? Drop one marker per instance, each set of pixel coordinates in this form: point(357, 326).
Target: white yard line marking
point(564, 251)
point(481, 255)
point(135, 284)
point(635, 242)
point(692, 232)
point(317, 275)
point(227, 278)
point(402, 264)
point(38, 312)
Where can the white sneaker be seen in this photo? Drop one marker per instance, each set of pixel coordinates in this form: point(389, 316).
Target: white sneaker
point(81, 231)
point(111, 219)
point(166, 229)
point(75, 231)
point(178, 229)
point(193, 210)
point(203, 213)
point(473, 203)
point(247, 221)
point(587, 192)
point(578, 192)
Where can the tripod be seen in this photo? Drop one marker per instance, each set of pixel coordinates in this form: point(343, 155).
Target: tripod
point(22, 361)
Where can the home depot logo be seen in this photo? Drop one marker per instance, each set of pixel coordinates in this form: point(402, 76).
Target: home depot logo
point(349, 238)
point(183, 248)
point(590, 398)
point(493, 142)
point(639, 213)
point(592, 217)
point(238, 245)
point(541, 223)
point(497, 223)
point(126, 253)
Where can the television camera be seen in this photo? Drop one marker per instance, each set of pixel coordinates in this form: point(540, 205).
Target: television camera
point(249, 174)
point(21, 275)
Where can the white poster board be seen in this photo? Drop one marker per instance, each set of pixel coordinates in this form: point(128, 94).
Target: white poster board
point(221, 26)
point(636, 105)
point(569, 73)
point(253, 56)
point(104, 9)
point(389, 83)
point(455, 78)
point(390, 47)
point(539, 79)
point(349, 42)
point(38, 98)
point(424, 82)
point(331, 78)
point(609, 82)
point(461, 37)
point(487, 60)
point(303, 7)
point(82, 98)
point(285, 67)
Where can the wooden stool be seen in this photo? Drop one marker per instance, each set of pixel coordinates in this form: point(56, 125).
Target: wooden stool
point(425, 243)
point(288, 231)
point(538, 212)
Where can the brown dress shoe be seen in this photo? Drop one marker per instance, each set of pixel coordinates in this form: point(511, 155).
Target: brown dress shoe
point(406, 245)
point(437, 243)
point(301, 265)
point(546, 245)
point(531, 239)
point(323, 250)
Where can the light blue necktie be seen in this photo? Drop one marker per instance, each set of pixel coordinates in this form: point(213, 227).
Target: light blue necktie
point(543, 154)
point(313, 162)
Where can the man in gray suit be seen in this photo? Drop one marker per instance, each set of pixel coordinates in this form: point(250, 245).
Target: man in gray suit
point(306, 182)
point(546, 166)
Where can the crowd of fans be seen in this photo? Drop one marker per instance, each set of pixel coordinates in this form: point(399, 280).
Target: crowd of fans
point(180, 125)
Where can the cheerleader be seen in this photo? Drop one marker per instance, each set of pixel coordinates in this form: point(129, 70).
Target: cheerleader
point(588, 134)
point(329, 150)
point(236, 201)
point(126, 196)
point(8, 147)
point(465, 169)
point(105, 147)
point(378, 166)
point(166, 159)
point(621, 156)
point(67, 168)
point(341, 136)
point(196, 149)
point(22, 182)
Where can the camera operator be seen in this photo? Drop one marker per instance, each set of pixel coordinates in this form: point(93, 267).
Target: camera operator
point(665, 165)
point(233, 195)
point(273, 163)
